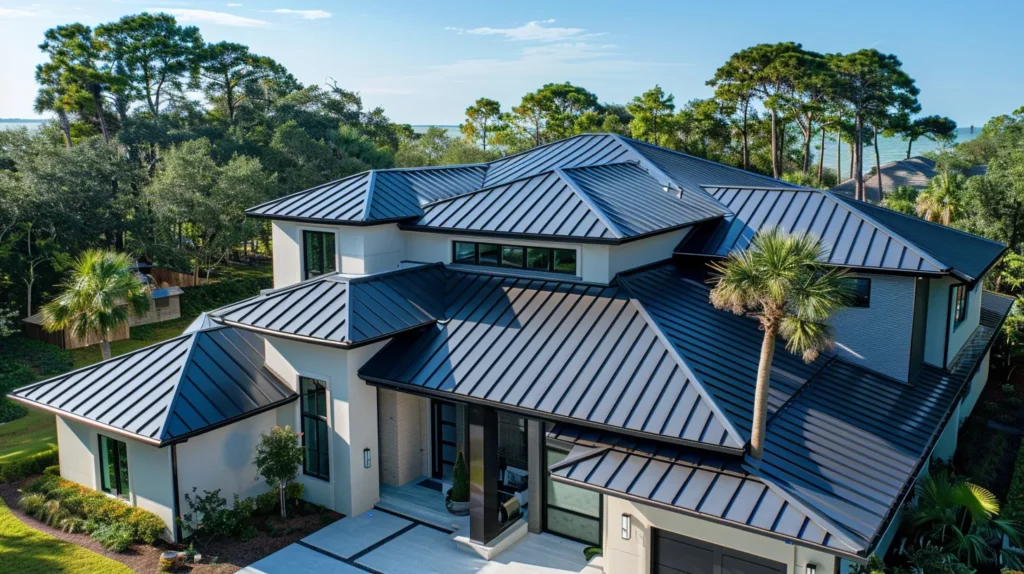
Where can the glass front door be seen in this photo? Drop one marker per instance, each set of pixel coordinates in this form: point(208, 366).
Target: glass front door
point(445, 440)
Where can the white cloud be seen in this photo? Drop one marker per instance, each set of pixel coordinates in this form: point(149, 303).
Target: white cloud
point(211, 17)
point(234, 5)
point(15, 13)
point(535, 31)
point(304, 14)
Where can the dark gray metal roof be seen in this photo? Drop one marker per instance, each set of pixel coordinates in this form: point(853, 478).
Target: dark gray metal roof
point(709, 485)
point(374, 196)
point(169, 391)
point(344, 311)
point(721, 349)
point(572, 351)
point(851, 443)
point(615, 202)
point(855, 238)
point(578, 151)
point(969, 256)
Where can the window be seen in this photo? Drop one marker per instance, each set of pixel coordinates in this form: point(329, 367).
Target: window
point(569, 511)
point(959, 304)
point(162, 302)
point(113, 467)
point(318, 253)
point(515, 257)
point(314, 428)
point(860, 292)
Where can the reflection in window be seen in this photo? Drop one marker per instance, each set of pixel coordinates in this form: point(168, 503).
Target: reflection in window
point(959, 304)
point(515, 257)
point(570, 511)
point(113, 467)
point(314, 428)
point(318, 253)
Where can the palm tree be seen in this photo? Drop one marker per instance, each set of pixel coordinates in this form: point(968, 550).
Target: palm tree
point(99, 297)
point(780, 280)
point(942, 201)
point(963, 519)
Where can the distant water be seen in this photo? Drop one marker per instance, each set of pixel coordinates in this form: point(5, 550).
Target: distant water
point(32, 126)
point(453, 131)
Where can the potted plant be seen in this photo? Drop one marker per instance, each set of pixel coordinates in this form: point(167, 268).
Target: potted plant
point(456, 500)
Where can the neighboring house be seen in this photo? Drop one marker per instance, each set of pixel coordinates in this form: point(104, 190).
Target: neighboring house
point(164, 305)
point(914, 172)
point(547, 314)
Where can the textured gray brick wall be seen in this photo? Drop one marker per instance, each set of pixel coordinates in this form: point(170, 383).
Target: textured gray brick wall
point(878, 337)
point(400, 440)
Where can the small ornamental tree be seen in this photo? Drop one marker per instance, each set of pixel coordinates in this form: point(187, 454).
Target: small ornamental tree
point(460, 480)
point(278, 456)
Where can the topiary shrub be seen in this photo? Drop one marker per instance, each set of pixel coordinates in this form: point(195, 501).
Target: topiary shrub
point(460, 480)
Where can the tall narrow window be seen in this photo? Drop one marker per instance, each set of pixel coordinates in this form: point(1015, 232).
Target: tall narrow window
point(113, 467)
point(314, 428)
point(959, 304)
point(318, 253)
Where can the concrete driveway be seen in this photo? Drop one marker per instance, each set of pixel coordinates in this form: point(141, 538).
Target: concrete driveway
point(386, 543)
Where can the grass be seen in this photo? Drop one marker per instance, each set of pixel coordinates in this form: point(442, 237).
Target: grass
point(27, 551)
point(141, 336)
point(31, 434)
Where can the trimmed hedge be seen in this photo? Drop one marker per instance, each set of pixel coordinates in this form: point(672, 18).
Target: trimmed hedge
point(105, 511)
point(1014, 506)
point(35, 464)
point(196, 300)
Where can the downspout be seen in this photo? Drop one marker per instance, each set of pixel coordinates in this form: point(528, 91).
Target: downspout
point(174, 487)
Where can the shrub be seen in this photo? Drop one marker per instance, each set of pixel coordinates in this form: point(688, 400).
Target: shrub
point(196, 300)
point(1014, 507)
point(209, 517)
point(10, 410)
point(116, 537)
point(460, 480)
point(52, 470)
point(277, 460)
point(35, 464)
point(1007, 388)
point(268, 502)
point(34, 505)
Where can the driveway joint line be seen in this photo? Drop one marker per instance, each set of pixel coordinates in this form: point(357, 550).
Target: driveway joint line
point(416, 520)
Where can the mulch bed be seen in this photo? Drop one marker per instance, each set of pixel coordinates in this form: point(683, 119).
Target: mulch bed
point(228, 555)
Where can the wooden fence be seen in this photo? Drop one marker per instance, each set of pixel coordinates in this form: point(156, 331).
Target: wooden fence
point(166, 277)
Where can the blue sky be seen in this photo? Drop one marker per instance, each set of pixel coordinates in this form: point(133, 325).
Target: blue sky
point(425, 61)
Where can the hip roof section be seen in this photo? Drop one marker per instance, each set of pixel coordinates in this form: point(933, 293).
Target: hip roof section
point(169, 391)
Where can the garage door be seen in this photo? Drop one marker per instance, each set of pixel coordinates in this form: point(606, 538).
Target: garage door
point(675, 554)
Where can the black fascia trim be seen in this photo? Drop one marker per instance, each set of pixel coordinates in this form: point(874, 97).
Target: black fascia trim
point(342, 222)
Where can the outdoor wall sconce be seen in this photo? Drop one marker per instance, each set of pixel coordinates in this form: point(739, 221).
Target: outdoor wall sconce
point(626, 526)
point(366, 458)
point(811, 569)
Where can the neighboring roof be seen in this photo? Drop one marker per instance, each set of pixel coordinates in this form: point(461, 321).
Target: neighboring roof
point(914, 172)
point(852, 442)
point(841, 455)
point(607, 203)
point(169, 391)
point(721, 349)
point(709, 485)
point(856, 233)
point(344, 311)
point(166, 292)
point(375, 196)
point(575, 352)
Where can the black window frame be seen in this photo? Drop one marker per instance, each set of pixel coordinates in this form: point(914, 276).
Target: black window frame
point(327, 259)
point(524, 265)
point(859, 301)
point(321, 426)
point(122, 486)
point(959, 299)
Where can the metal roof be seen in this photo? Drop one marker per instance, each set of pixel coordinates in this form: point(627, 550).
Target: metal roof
point(853, 238)
point(613, 203)
point(851, 443)
point(721, 349)
point(344, 311)
point(575, 352)
point(709, 485)
point(169, 391)
point(374, 196)
point(577, 151)
point(970, 256)
point(913, 172)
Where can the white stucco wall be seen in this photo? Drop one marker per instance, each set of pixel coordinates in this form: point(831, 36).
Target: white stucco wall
point(977, 385)
point(643, 251)
point(634, 555)
point(149, 468)
point(352, 417)
point(858, 339)
point(940, 321)
point(223, 459)
point(959, 334)
point(358, 249)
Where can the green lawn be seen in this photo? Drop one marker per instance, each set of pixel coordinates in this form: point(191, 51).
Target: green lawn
point(28, 435)
point(27, 551)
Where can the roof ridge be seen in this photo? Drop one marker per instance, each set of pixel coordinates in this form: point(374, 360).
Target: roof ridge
point(541, 146)
point(707, 395)
point(430, 168)
point(488, 188)
point(701, 159)
point(177, 384)
point(369, 194)
point(391, 272)
point(589, 202)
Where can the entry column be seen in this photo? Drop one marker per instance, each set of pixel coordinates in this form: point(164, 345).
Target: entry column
point(483, 474)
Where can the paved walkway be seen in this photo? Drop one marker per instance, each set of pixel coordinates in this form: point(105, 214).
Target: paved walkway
point(387, 543)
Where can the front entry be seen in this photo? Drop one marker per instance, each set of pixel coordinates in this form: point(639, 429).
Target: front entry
point(675, 554)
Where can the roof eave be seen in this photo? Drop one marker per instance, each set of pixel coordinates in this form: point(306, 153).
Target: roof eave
point(857, 269)
point(268, 407)
point(319, 221)
point(78, 418)
point(346, 345)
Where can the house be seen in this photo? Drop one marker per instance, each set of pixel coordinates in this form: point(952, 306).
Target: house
point(164, 305)
point(547, 315)
point(913, 172)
